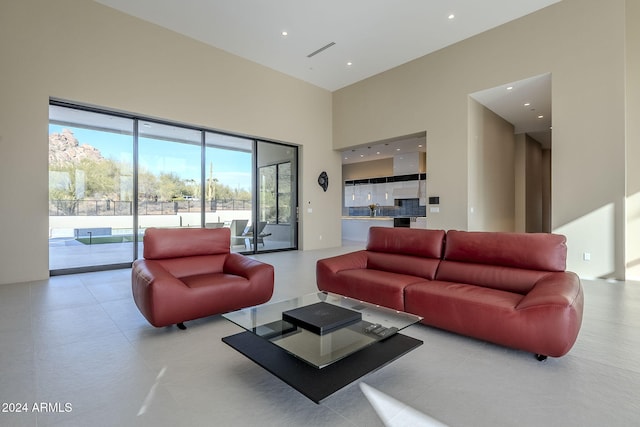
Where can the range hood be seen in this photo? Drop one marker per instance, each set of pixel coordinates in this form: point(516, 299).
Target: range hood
point(404, 164)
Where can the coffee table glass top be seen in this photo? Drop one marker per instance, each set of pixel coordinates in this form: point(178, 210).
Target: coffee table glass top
point(351, 326)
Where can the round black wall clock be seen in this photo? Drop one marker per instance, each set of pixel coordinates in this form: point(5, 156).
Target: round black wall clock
point(323, 180)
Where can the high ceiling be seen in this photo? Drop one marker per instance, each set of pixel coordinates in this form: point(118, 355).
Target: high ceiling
point(333, 43)
point(372, 35)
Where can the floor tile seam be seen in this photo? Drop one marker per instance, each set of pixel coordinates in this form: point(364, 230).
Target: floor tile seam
point(108, 299)
point(32, 331)
point(342, 416)
point(45, 307)
point(148, 362)
point(39, 349)
point(43, 311)
point(609, 366)
point(122, 331)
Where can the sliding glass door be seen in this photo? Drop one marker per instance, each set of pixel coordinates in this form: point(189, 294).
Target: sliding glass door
point(228, 177)
point(90, 189)
point(169, 176)
point(277, 197)
point(111, 176)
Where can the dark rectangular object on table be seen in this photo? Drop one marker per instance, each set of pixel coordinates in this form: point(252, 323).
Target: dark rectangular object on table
point(321, 317)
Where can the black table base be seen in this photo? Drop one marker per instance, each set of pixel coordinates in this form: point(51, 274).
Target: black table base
point(318, 384)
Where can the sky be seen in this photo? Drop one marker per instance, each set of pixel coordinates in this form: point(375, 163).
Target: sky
point(232, 168)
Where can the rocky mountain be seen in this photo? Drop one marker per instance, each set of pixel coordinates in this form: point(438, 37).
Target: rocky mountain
point(65, 149)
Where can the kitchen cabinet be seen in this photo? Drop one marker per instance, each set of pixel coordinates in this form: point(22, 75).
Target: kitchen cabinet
point(422, 192)
point(380, 194)
point(383, 190)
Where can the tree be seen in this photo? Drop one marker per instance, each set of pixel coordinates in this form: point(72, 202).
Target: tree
point(170, 186)
point(147, 185)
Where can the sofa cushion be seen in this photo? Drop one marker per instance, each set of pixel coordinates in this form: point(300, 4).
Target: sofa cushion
point(162, 243)
point(406, 241)
point(507, 279)
point(374, 286)
point(465, 309)
point(403, 264)
point(219, 280)
point(194, 265)
point(545, 321)
point(532, 251)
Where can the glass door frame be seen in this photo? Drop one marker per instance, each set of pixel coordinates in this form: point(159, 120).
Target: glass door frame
point(294, 160)
point(136, 119)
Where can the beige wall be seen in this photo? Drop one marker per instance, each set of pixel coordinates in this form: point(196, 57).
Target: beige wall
point(532, 185)
point(534, 169)
point(582, 43)
point(491, 171)
point(84, 52)
point(81, 51)
point(633, 140)
point(546, 190)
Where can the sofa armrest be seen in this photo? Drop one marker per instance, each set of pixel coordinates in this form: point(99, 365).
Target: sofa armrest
point(559, 289)
point(350, 261)
point(327, 268)
point(249, 268)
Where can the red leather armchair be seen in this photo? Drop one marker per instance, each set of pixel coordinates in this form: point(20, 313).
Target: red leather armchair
point(191, 273)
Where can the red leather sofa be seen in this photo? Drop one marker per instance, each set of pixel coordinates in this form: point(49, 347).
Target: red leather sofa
point(190, 273)
point(507, 288)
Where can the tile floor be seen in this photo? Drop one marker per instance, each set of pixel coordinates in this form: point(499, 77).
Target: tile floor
point(78, 344)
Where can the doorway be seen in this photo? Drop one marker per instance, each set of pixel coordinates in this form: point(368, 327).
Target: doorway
point(510, 147)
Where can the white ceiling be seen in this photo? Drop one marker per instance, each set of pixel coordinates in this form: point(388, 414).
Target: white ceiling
point(374, 35)
point(371, 35)
point(385, 149)
point(526, 104)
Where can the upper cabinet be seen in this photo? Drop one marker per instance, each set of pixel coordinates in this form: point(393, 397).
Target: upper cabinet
point(407, 163)
point(382, 191)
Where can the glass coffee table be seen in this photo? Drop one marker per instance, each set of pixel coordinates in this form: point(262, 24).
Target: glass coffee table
point(321, 342)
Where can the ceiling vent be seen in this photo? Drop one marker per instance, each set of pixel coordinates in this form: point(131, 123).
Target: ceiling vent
point(323, 48)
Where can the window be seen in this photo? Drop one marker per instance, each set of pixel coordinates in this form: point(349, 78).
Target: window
point(112, 175)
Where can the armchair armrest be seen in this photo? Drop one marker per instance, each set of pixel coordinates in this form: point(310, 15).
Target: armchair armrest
point(249, 268)
point(146, 273)
point(153, 286)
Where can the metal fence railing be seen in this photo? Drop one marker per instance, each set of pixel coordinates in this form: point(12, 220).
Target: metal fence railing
point(116, 207)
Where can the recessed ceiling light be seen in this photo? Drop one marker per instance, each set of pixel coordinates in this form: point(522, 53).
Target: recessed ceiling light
point(377, 152)
point(349, 64)
point(541, 116)
point(509, 87)
point(451, 16)
point(526, 104)
point(419, 145)
point(284, 34)
point(397, 149)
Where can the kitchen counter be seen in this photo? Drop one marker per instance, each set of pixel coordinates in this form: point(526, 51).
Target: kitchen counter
point(369, 218)
point(356, 228)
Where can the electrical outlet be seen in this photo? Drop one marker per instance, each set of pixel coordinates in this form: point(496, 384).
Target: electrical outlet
point(586, 256)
